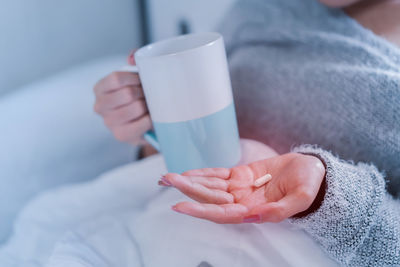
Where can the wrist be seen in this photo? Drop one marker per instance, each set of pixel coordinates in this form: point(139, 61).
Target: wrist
point(320, 167)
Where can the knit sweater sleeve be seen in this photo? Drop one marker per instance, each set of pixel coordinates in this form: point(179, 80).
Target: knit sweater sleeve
point(358, 222)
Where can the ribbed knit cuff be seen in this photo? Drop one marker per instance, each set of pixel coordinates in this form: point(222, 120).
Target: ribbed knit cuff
point(350, 206)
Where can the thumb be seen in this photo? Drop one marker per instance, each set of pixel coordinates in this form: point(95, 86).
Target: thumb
point(278, 211)
point(131, 58)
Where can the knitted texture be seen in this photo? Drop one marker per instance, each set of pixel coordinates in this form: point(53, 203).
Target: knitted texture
point(306, 74)
point(358, 222)
point(303, 73)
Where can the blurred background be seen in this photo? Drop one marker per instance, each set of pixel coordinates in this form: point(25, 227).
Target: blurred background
point(51, 55)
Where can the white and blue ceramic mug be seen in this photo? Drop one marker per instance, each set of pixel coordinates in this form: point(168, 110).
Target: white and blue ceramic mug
point(189, 96)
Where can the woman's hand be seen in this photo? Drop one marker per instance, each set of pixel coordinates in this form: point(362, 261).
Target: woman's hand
point(120, 101)
point(228, 195)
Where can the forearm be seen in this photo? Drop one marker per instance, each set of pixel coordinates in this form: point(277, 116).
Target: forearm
point(357, 222)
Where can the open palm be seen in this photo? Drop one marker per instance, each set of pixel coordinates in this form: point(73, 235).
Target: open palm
point(228, 195)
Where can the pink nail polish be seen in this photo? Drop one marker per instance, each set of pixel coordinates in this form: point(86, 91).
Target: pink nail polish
point(164, 180)
point(252, 219)
point(131, 59)
point(162, 183)
point(175, 209)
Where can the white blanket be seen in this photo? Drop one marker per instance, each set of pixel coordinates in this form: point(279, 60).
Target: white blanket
point(124, 218)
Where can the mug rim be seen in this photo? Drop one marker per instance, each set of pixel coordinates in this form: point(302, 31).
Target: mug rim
point(140, 53)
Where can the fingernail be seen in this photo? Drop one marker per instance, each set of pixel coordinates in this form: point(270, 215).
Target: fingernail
point(252, 219)
point(164, 180)
point(162, 183)
point(175, 209)
point(131, 57)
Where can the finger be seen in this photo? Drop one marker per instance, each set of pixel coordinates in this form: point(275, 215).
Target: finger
point(131, 57)
point(132, 132)
point(210, 182)
point(280, 210)
point(198, 191)
point(117, 98)
point(222, 173)
point(225, 213)
point(125, 113)
point(115, 81)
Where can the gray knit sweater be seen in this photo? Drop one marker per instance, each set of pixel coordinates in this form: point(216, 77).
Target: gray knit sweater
point(306, 74)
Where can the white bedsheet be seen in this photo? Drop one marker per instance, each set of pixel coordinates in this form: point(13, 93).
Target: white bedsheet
point(123, 218)
point(51, 136)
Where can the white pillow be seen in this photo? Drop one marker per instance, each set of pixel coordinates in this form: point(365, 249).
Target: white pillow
point(51, 136)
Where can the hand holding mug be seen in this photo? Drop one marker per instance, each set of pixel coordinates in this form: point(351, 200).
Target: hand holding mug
point(188, 94)
point(120, 102)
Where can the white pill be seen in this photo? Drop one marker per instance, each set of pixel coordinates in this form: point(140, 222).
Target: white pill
point(262, 180)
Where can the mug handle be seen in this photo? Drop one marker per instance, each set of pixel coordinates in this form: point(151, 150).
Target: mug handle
point(150, 135)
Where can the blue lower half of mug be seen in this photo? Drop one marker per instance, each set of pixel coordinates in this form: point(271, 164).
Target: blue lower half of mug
point(210, 141)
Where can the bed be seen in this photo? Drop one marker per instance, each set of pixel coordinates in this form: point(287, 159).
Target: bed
point(123, 218)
